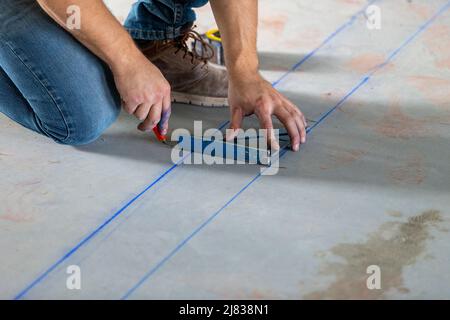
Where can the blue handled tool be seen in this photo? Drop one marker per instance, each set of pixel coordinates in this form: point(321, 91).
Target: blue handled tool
point(240, 150)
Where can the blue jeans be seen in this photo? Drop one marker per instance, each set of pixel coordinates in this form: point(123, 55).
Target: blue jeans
point(161, 19)
point(50, 83)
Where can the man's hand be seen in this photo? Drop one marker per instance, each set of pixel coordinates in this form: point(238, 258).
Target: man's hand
point(257, 96)
point(144, 92)
point(249, 93)
point(143, 89)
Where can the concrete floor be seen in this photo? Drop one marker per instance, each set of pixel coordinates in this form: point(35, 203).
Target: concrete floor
point(371, 187)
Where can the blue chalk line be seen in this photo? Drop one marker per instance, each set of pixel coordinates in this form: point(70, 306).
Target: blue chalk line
point(91, 235)
point(283, 152)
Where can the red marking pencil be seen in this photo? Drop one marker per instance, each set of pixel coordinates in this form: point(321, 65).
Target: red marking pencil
point(159, 136)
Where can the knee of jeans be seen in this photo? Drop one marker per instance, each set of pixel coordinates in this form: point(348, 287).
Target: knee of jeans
point(89, 124)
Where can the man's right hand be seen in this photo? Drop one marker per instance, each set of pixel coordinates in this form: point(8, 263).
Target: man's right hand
point(144, 91)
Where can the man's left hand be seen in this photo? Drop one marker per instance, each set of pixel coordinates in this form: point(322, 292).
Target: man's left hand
point(255, 95)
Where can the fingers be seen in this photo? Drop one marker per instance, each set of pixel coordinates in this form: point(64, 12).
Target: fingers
point(130, 106)
point(141, 111)
point(164, 123)
point(298, 117)
point(300, 120)
point(302, 125)
point(265, 120)
point(291, 124)
point(156, 113)
point(235, 124)
point(166, 112)
point(146, 125)
point(153, 118)
point(305, 122)
point(302, 129)
point(236, 118)
point(299, 113)
point(264, 114)
point(167, 101)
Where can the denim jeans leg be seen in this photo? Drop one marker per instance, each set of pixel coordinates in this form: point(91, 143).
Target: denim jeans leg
point(50, 82)
point(161, 19)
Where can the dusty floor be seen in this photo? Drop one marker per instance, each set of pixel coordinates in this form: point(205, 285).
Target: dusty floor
point(371, 187)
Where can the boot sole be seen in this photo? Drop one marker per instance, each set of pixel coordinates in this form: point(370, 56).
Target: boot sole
point(203, 101)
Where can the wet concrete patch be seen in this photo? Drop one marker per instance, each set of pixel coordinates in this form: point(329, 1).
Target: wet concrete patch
point(392, 247)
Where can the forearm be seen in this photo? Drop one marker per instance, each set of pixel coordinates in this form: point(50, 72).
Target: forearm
point(238, 22)
point(99, 30)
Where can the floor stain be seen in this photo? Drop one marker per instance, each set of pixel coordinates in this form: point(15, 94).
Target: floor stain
point(340, 158)
point(275, 23)
point(396, 214)
point(397, 124)
point(411, 172)
point(434, 89)
point(16, 218)
point(423, 11)
point(392, 247)
point(366, 62)
point(307, 39)
point(436, 41)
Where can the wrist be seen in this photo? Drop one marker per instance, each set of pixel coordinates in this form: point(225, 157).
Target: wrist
point(238, 77)
point(122, 57)
point(242, 68)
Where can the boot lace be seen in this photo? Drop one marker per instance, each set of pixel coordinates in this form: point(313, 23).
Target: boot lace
point(207, 51)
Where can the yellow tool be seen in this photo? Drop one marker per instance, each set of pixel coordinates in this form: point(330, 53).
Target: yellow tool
point(212, 37)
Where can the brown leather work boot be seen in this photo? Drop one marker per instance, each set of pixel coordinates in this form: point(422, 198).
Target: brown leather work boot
point(192, 78)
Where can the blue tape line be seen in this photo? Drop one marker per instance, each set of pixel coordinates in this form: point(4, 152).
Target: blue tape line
point(22, 293)
point(196, 230)
point(340, 103)
point(421, 29)
point(282, 153)
point(325, 42)
point(121, 210)
point(181, 244)
point(411, 38)
point(92, 234)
